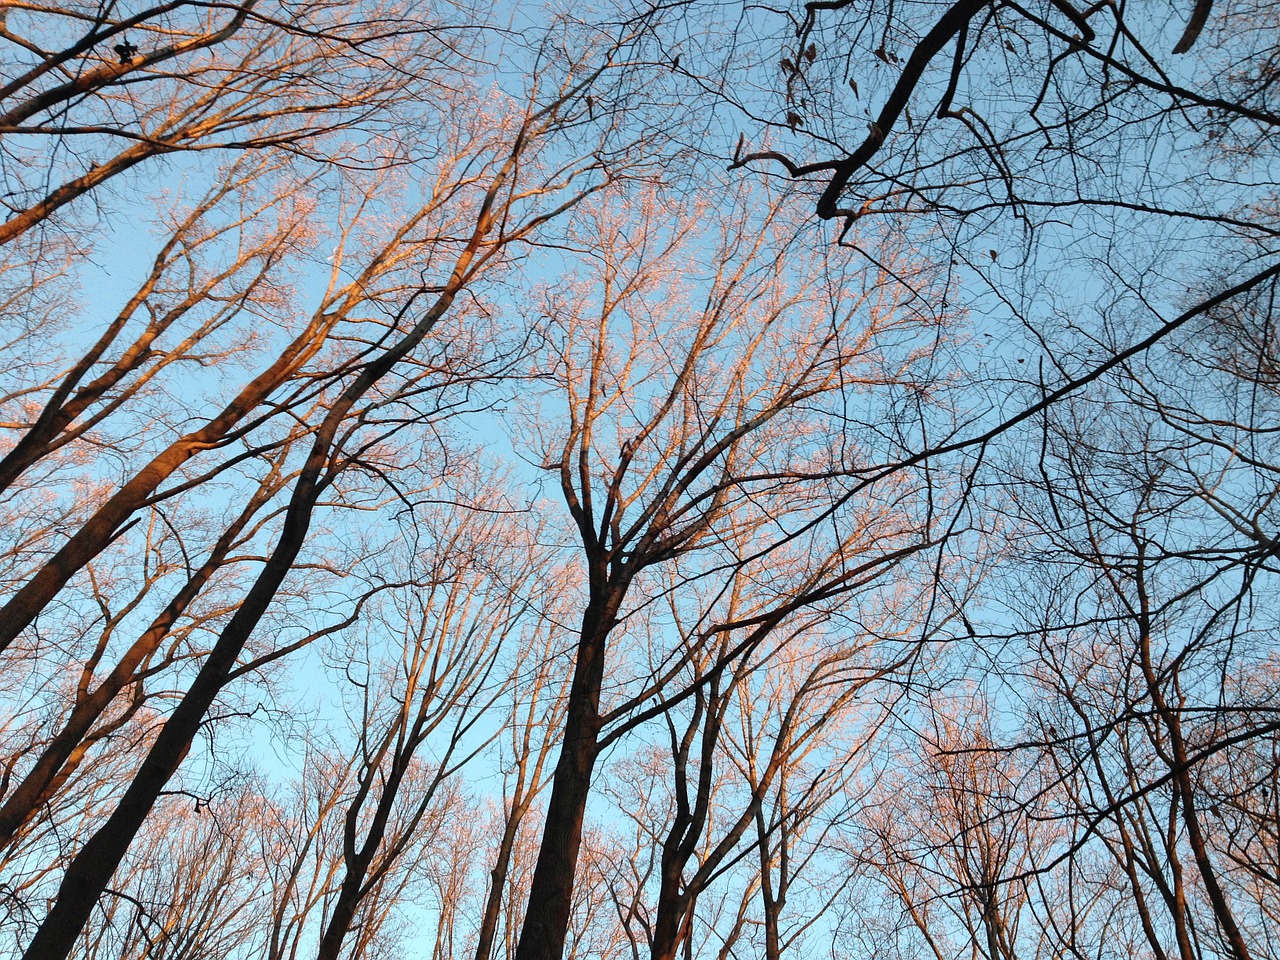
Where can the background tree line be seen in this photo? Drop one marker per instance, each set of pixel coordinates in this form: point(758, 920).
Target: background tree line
point(688, 480)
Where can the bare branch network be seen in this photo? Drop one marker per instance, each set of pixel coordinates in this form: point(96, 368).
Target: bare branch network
point(682, 480)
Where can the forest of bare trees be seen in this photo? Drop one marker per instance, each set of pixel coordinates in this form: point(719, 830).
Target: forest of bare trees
point(671, 480)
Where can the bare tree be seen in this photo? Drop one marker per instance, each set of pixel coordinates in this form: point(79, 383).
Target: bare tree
point(530, 735)
point(416, 724)
point(1025, 380)
point(691, 452)
point(1145, 551)
point(1076, 167)
point(337, 385)
point(954, 838)
point(91, 93)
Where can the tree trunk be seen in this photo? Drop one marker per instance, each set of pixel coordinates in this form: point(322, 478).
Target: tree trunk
point(91, 869)
point(344, 912)
point(61, 755)
point(671, 927)
point(501, 867)
point(546, 921)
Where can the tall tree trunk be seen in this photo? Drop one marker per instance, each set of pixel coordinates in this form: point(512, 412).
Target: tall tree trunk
point(66, 749)
point(344, 912)
point(772, 905)
point(671, 927)
point(1180, 766)
point(91, 869)
point(358, 861)
point(546, 921)
point(108, 521)
point(498, 876)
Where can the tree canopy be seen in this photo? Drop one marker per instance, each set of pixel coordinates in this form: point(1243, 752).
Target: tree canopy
point(683, 480)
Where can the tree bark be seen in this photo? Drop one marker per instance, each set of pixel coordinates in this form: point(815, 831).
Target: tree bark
point(498, 877)
point(546, 922)
point(91, 870)
point(63, 753)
